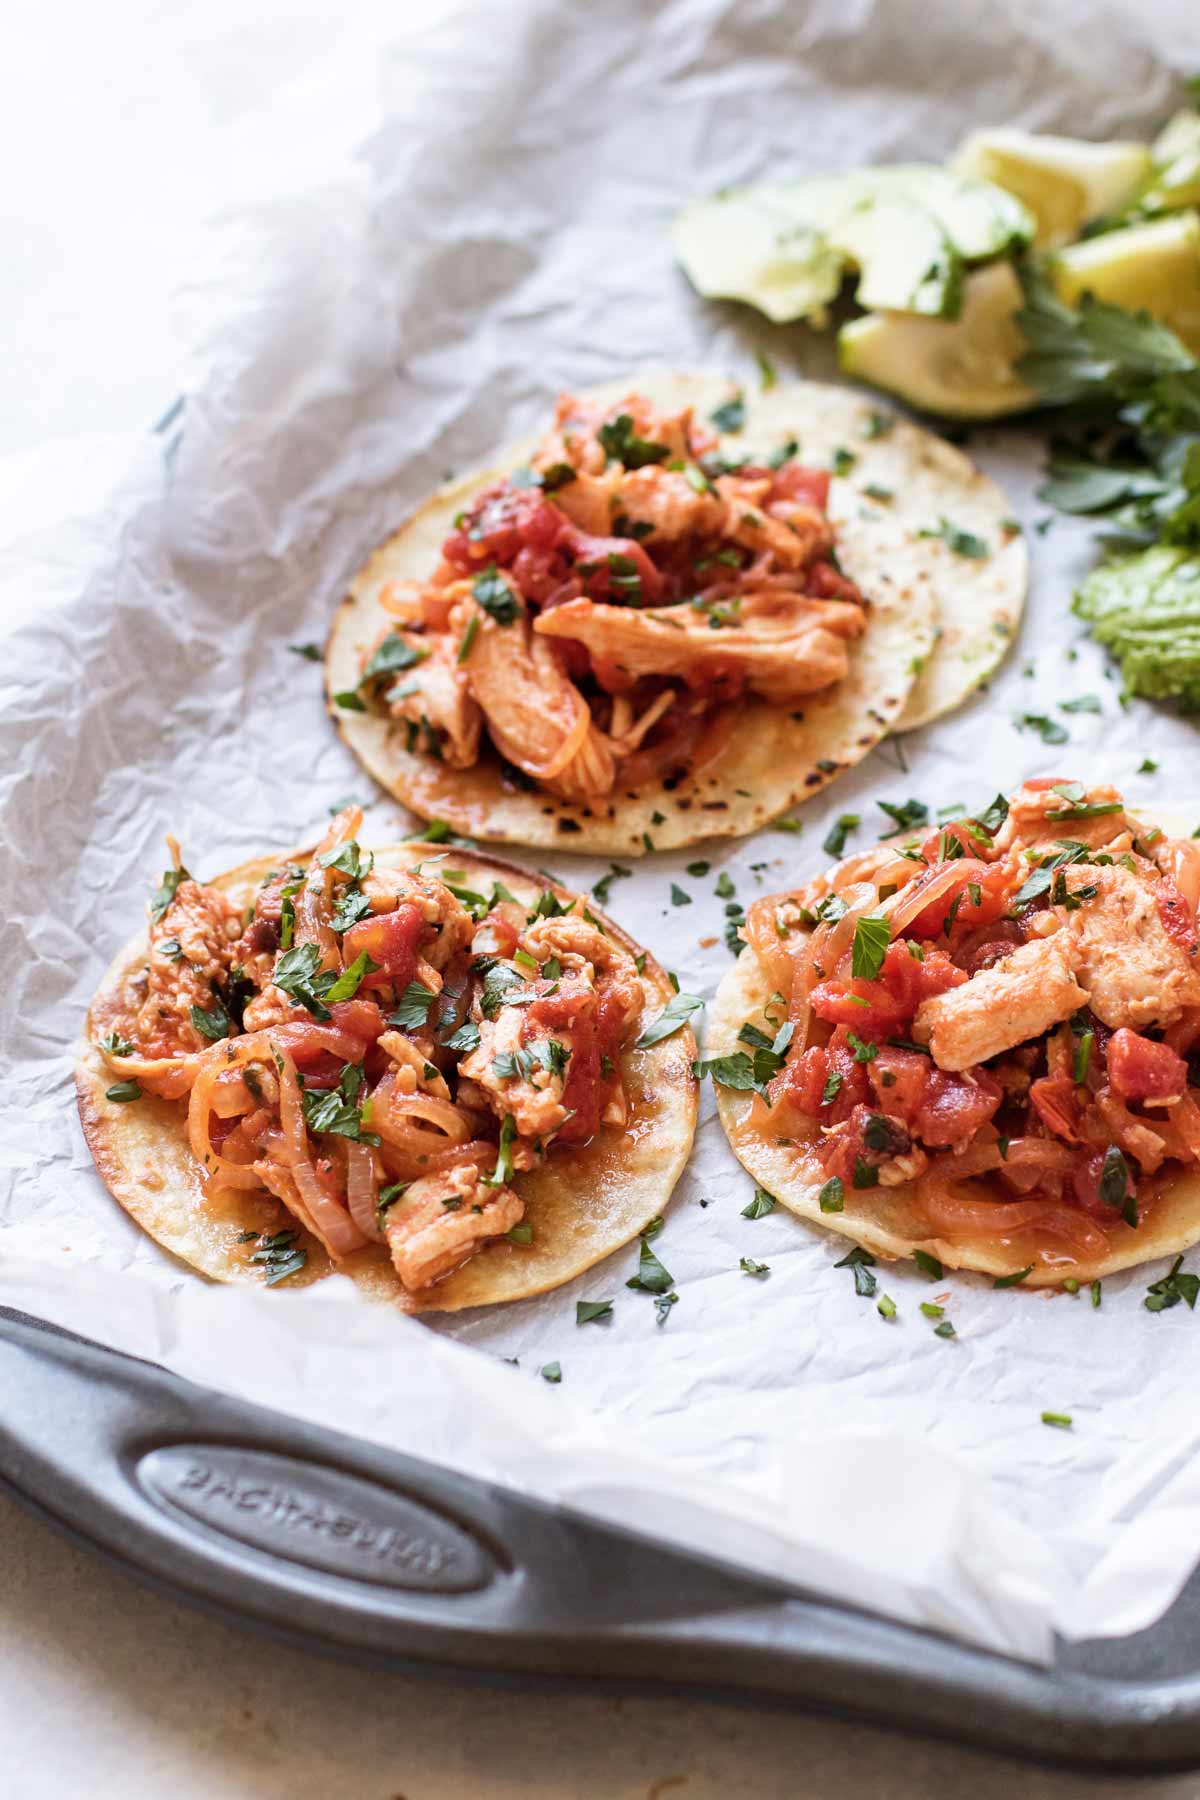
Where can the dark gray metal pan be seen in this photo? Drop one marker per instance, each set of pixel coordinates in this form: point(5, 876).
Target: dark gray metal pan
point(361, 1552)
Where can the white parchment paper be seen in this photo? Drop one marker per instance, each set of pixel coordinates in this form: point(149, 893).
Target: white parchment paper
point(354, 335)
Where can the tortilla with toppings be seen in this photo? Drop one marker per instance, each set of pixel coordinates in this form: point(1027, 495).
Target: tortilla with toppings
point(434, 1073)
point(974, 1042)
point(666, 620)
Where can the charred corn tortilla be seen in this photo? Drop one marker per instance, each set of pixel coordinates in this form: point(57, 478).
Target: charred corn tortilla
point(917, 584)
point(583, 1202)
point(888, 1221)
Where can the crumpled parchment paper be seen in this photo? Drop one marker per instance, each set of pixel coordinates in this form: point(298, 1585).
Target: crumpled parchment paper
point(503, 236)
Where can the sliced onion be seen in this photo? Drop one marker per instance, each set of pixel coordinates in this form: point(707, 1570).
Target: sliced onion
point(911, 901)
point(362, 1191)
point(325, 1218)
point(999, 1220)
point(213, 1064)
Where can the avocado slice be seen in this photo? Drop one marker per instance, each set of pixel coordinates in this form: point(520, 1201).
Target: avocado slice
point(905, 261)
point(961, 368)
point(785, 249)
point(756, 245)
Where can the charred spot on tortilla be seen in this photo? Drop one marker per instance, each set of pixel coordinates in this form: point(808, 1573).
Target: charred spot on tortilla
point(654, 621)
point(995, 1020)
point(443, 1080)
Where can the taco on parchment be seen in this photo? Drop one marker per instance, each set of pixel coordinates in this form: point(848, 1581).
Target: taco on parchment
point(974, 1042)
point(432, 1072)
point(672, 617)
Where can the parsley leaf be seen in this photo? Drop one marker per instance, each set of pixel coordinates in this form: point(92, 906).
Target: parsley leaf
point(412, 1009)
point(835, 838)
point(673, 1017)
point(619, 440)
point(491, 589)
point(731, 414)
point(872, 935)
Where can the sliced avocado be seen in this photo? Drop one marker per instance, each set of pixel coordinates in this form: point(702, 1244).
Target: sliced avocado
point(1155, 266)
point(785, 249)
point(981, 219)
point(1064, 182)
point(960, 368)
point(1176, 153)
point(905, 261)
point(754, 244)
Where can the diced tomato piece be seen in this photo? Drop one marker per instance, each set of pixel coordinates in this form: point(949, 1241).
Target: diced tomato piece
point(393, 940)
point(954, 1107)
point(597, 575)
point(1056, 1102)
point(1179, 921)
point(1141, 1069)
point(501, 523)
point(361, 1018)
point(802, 1084)
point(879, 1008)
point(583, 1089)
point(844, 1152)
point(900, 1078)
point(1085, 1185)
point(793, 482)
point(561, 1008)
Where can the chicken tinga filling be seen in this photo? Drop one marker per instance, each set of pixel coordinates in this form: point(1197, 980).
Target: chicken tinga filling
point(381, 1049)
point(1001, 1015)
point(601, 612)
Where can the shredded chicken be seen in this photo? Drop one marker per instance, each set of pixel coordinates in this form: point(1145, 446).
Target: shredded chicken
point(781, 646)
point(534, 712)
point(435, 696)
point(1136, 972)
point(442, 1219)
point(1019, 997)
point(191, 953)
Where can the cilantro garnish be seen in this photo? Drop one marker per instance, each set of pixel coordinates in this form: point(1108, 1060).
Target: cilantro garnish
point(619, 440)
point(412, 1009)
point(872, 935)
point(337, 1111)
point(493, 592)
point(672, 1018)
point(731, 414)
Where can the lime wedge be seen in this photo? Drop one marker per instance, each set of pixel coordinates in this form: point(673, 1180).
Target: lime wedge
point(961, 368)
point(1176, 152)
point(1155, 266)
point(1064, 182)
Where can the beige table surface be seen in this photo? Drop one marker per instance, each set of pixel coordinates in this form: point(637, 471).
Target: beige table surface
point(110, 1691)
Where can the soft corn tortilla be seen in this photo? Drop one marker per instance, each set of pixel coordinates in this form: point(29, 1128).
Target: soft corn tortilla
point(888, 1221)
point(916, 584)
point(583, 1202)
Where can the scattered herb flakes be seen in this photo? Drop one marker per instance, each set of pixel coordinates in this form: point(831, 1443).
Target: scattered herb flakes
point(1014, 1279)
point(945, 1329)
point(1060, 1421)
point(861, 1262)
point(1096, 1291)
point(908, 815)
point(843, 460)
point(731, 414)
point(874, 491)
point(616, 872)
point(1049, 730)
point(885, 1306)
point(764, 1203)
point(794, 826)
point(698, 870)
point(592, 1312)
point(672, 1018)
point(122, 1092)
point(963, 543)
point(679, 896)
point(551, 1372)
point(748, 1266)
point(834, 842)
point(929, 1265)
point(932, 1310)
point(115, 1045)
point(872, 935)
point(1147, 766)
point(1083, 703)
point(519, 1234)
point(1176, 1285)
point(652, 1277)
point(878, 424)
point(724, 889)
point(662, 1306)
point(766, 371)
point(350, 700)
point(832, 1197)
point(310, 652)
